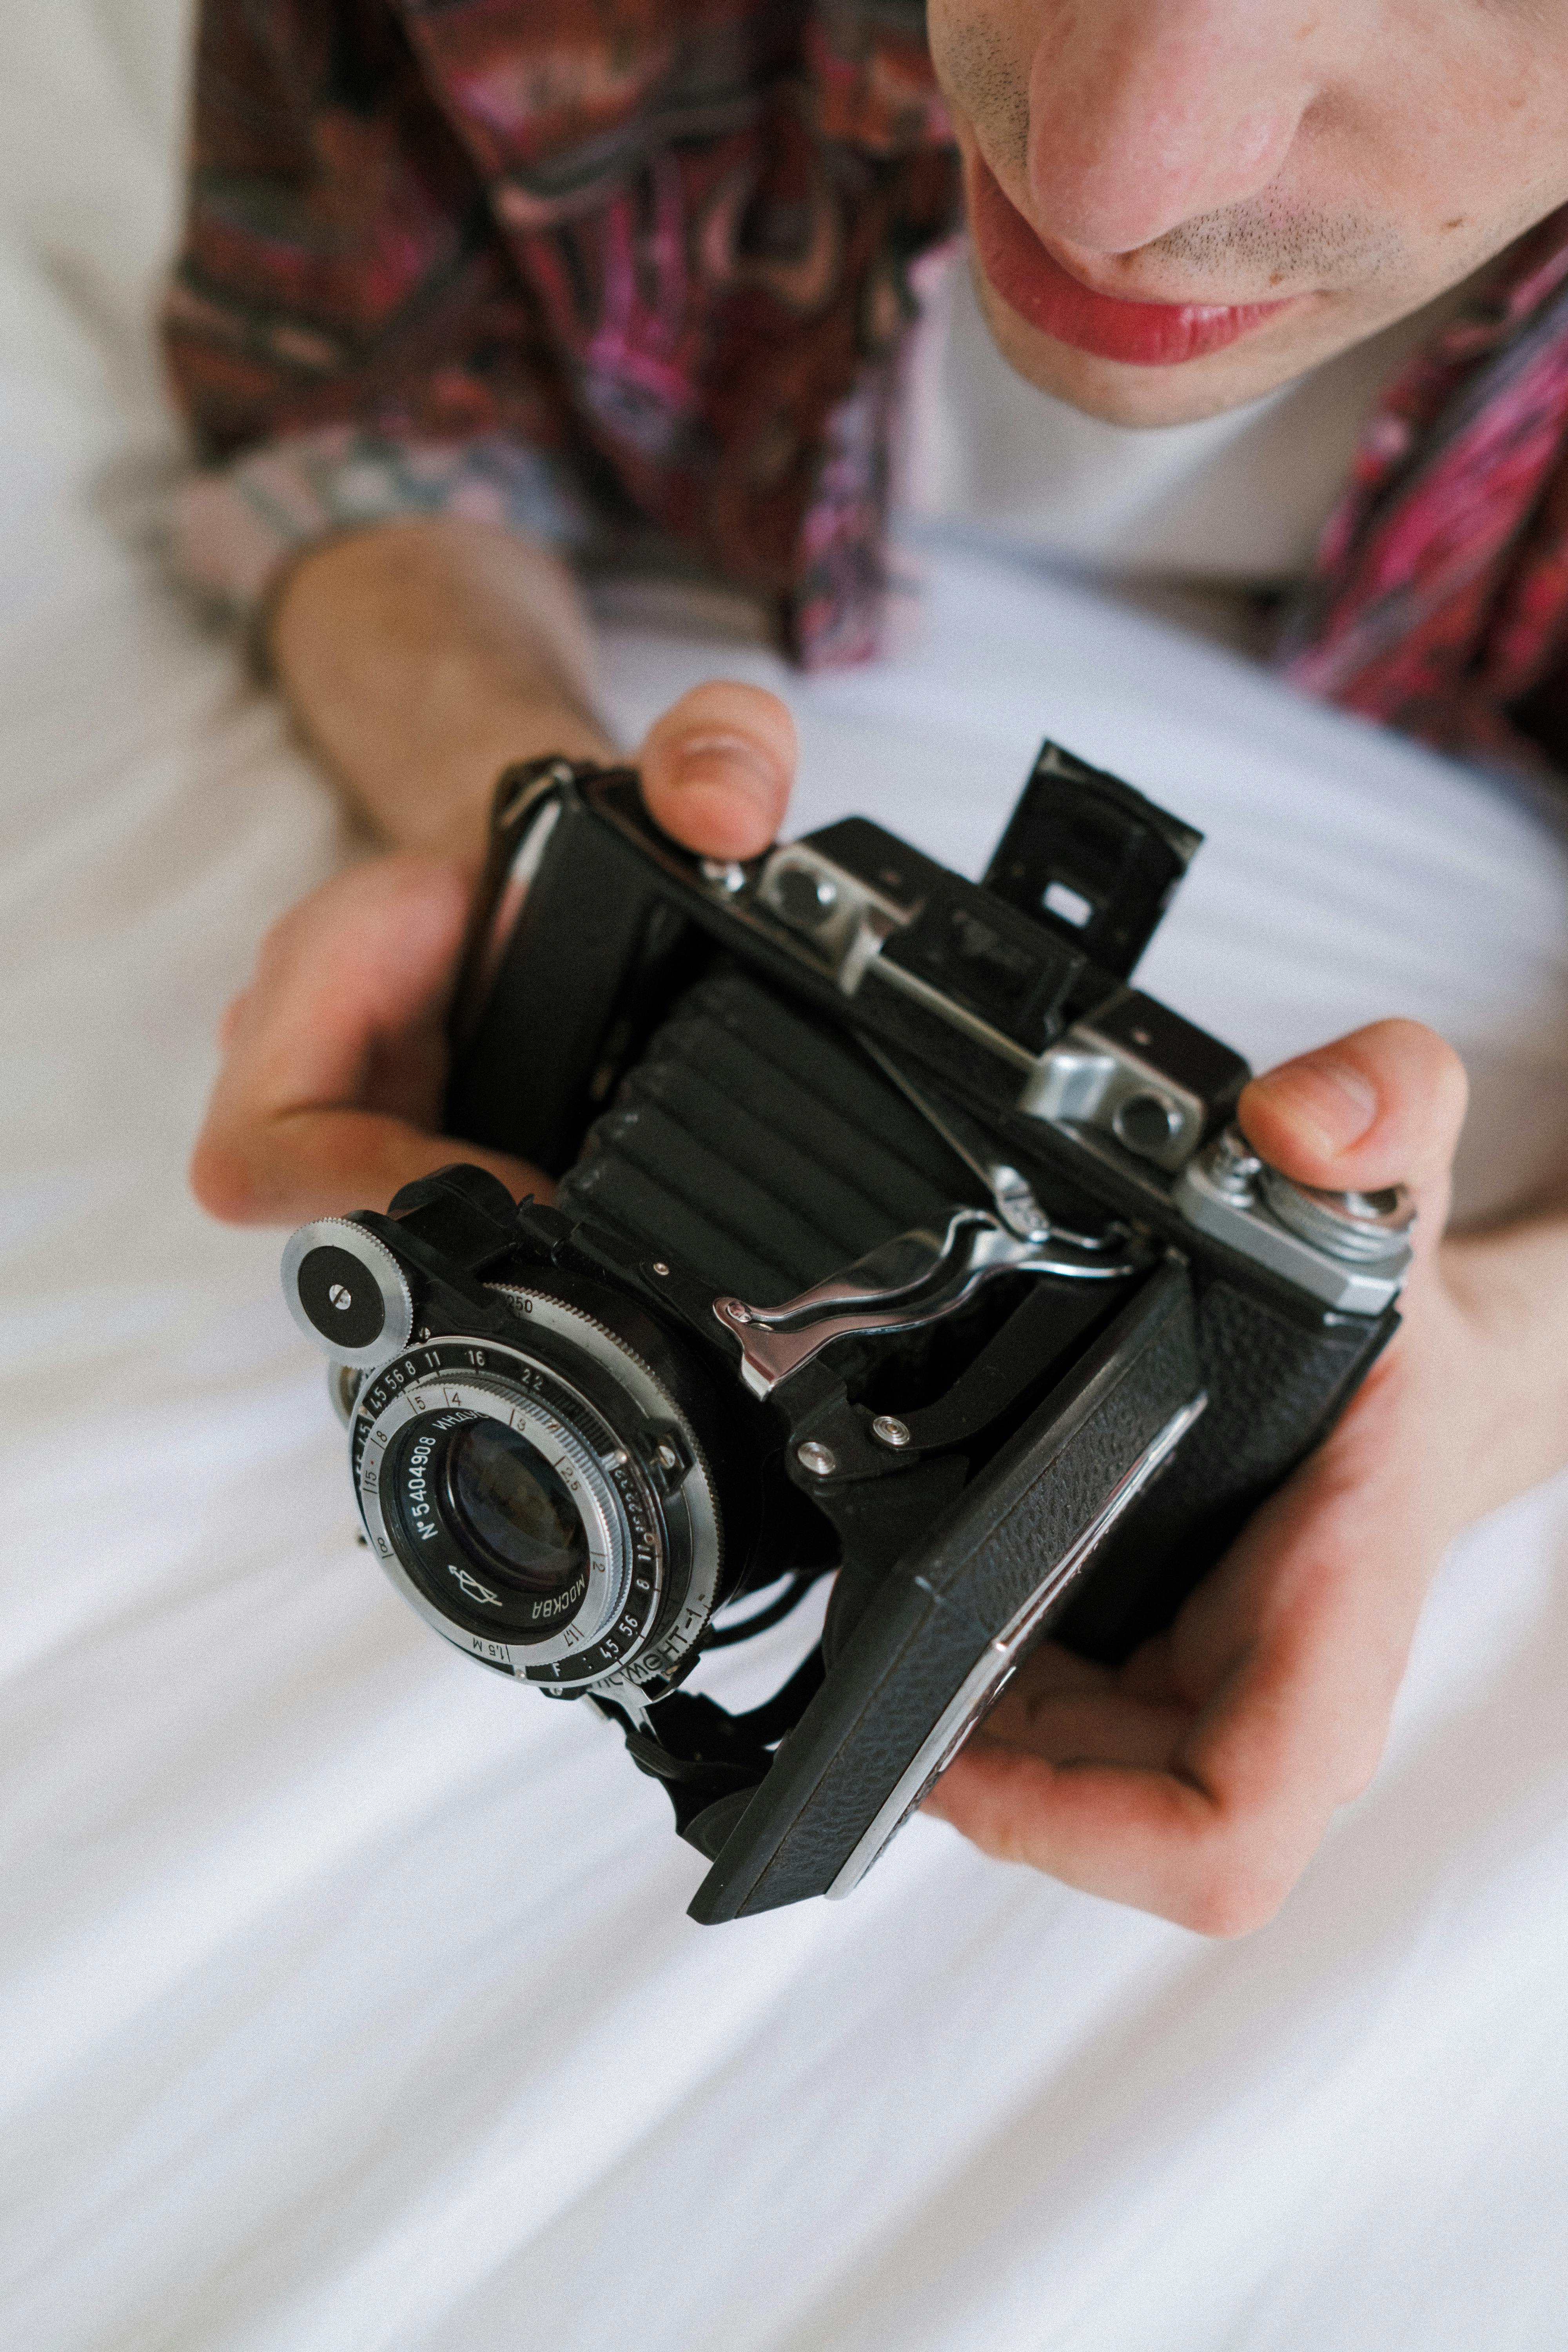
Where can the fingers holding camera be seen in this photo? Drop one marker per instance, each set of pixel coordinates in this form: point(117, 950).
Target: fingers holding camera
point(1273, 1693)
point(718, 768)
point(1197, 1781)
point(329, 1097)
point(1383, 1106)
point(1064, 1709)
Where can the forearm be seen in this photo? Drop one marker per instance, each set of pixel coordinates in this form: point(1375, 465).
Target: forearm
point(419, 658)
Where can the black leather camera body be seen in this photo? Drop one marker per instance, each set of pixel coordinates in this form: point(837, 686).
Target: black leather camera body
point(898, 1237)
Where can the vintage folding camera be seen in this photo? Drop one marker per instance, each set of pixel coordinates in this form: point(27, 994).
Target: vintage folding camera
point(898, 1238)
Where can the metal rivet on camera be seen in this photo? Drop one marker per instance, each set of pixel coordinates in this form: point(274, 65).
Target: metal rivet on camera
point(820, 1460)
point(724, 874)
point(734, 1310)
point(888, 1432)
point(659, 1266)
point(1145, 1123)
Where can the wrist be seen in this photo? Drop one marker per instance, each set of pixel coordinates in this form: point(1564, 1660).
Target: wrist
point(1502, 1311)
point(422, 656)
point(439, 805)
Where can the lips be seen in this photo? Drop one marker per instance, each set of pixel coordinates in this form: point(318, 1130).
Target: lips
point(1047, 297)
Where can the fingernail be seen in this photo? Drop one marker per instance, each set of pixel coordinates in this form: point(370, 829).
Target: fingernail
point(728, 763)
point(1331, 1098)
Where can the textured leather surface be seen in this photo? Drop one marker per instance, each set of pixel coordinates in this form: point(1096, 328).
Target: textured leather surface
point(1272, 1380)
point(921, 1635)
point(765, 1150)
point(1275, 1384)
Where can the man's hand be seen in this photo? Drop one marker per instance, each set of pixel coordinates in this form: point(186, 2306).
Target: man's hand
point(334, 1058)
point(1197, 1780)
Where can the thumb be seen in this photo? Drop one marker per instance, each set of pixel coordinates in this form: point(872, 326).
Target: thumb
point(718, 767)
point(1383, 1106)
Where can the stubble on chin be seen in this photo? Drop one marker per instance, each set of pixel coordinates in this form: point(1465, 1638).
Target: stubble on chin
point(1351, 262)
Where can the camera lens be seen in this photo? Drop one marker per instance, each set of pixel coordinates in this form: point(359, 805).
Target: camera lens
point(487, 1525)
point(548, 1507)
point(514, 1510)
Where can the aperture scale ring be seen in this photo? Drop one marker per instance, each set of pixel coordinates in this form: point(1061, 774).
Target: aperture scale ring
point(627, 1563)
point(687, 1545)
point(693, 1589)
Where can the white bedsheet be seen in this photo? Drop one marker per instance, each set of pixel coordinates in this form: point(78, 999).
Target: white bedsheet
point(347, 2003)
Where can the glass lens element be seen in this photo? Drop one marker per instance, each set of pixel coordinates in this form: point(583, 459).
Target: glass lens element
point(514, 1510)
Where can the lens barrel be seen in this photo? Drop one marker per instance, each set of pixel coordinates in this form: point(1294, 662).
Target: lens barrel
point(515, 1509)
point(548, 1506)
point(486, 1523)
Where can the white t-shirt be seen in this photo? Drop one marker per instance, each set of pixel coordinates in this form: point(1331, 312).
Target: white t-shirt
point(1239, 500)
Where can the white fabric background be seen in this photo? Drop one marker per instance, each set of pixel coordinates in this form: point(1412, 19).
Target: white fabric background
point(347, 2003)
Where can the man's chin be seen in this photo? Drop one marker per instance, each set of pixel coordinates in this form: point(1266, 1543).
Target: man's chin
point(1147, 398)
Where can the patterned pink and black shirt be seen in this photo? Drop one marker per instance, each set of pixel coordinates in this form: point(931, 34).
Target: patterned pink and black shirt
point(603, 267)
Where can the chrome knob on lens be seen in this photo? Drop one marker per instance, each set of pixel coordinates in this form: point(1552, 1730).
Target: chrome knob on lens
point(347, 1292)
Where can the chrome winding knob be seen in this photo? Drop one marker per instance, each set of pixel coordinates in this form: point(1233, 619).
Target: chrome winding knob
point(1360, 1227)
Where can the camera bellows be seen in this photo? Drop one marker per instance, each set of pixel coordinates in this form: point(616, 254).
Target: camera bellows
point(766, 1151)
